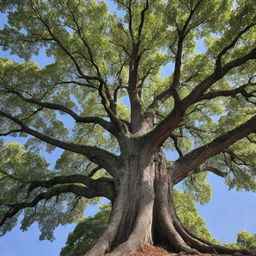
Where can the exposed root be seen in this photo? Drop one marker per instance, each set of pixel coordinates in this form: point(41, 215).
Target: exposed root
point(104, 242)
point(203, 245)
point(174, 238)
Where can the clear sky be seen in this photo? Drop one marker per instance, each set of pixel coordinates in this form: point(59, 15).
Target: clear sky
point(226, 214)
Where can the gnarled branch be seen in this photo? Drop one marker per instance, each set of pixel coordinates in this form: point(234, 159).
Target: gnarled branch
point(225, 93)
point(55, 191)
point(103, 186)
point(80, 119)
point(97, 155)
point(195, 158)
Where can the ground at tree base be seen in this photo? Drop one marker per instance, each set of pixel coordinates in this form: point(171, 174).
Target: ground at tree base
point(158, 251)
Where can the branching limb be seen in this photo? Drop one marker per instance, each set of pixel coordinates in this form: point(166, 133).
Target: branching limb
point(10, 132)
point(94, 171)
point(142, 19)
point(172, 121)
point(175, 141)
point(137, 117)
point(121, 126)
point(195, 131)
point(104, 96)
point(121, 46)
point(7, 175)
point(237, 159)
point(55, 191)
point(61, 45)
point(88, 85)
point(103, 186)
point(233, 43)
point(195, 158)
point(225, 93)
point(172, 90)
point(81, 34)
point(129, 9)
point(91, 119)
point(215, 170)
point(215, 76)
point(99, 156)
point(207, 168)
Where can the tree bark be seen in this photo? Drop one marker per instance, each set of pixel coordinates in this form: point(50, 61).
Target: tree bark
point(143, 214)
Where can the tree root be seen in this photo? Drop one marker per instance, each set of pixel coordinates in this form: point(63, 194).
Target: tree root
point(104, 242)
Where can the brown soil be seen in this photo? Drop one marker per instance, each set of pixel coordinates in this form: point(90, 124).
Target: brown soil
point(158, 251)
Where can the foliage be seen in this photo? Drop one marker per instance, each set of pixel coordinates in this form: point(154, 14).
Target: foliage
point(198, 189)
point(189, 216)
point(244, 240)
point(86, 233)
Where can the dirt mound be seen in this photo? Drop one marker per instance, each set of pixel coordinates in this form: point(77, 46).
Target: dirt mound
point(158, 251)
point(153, 251)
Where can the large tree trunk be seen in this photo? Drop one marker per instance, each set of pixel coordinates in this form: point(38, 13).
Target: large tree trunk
point(143, 214)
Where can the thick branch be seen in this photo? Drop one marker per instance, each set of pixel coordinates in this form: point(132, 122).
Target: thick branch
point(142, 19)
point(94, 171)
point(103, 186)
point(77, 190)
point(99, 156)
point(215, 76)
point(199, 170)
point(137, 117)
point(175, 141)
point(198, 156)
point(215, 170)
point(224, 93)
point(232, 44)
point(171, 91)
point(90, 119)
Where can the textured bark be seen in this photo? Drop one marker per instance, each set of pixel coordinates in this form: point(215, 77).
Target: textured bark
point(144, 214)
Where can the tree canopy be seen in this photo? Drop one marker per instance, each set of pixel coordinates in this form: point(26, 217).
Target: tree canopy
point(137, 79)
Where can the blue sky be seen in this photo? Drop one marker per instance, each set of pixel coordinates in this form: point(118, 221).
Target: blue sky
point(226, 214)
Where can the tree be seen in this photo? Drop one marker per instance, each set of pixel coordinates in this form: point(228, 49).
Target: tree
point(204, 110)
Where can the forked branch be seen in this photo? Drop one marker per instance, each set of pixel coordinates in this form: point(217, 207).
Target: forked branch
point(172, 121)
point(97, 155)
point(195, 158)
point(233, 43)
point(102, 186)
point(225, 93)
point(80, 119)
point(172, 90)
point(55, 191)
